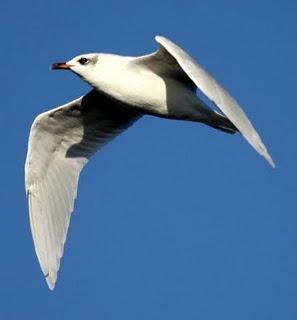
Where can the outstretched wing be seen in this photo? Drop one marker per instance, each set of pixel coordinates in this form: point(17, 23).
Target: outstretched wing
point(170, 60)
point(60, 143)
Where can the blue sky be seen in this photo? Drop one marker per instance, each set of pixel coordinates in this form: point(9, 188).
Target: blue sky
point(174, 220)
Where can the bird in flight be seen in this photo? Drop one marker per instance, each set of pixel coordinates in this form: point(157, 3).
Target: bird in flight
point(63, 139)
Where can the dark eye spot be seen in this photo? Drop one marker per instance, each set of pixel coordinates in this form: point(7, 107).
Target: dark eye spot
point(83, 61)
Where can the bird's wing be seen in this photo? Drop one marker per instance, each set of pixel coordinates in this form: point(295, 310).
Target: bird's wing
point(60, 143)
point(170, 60)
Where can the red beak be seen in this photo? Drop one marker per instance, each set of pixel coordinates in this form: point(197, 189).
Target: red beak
point(60, 66)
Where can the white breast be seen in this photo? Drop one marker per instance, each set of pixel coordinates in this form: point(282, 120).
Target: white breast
point(143, 89)
point(136, 86)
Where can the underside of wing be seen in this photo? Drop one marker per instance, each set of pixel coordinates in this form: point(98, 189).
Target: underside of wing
point(211, 88)
point(60, 143)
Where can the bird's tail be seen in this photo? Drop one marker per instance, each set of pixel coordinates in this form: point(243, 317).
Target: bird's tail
point(222, 123)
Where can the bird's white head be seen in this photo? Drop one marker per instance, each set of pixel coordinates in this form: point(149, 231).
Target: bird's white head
point(83, 65)
point(103, 71)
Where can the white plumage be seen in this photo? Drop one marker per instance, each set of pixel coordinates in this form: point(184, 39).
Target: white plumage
point(62, 140)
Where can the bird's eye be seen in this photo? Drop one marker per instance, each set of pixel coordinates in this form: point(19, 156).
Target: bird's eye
point(83, 61)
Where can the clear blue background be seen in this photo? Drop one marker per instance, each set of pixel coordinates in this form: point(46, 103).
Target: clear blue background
point(174, 220)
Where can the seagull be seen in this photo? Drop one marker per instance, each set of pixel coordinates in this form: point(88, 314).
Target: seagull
point(62, 140)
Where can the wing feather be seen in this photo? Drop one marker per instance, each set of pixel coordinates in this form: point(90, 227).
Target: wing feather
point(61, 142)
point(213, 90)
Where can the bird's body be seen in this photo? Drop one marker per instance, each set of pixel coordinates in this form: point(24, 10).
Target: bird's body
point(152, 88)
point(150, 91)
point(62, 140)
point(139, 88)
